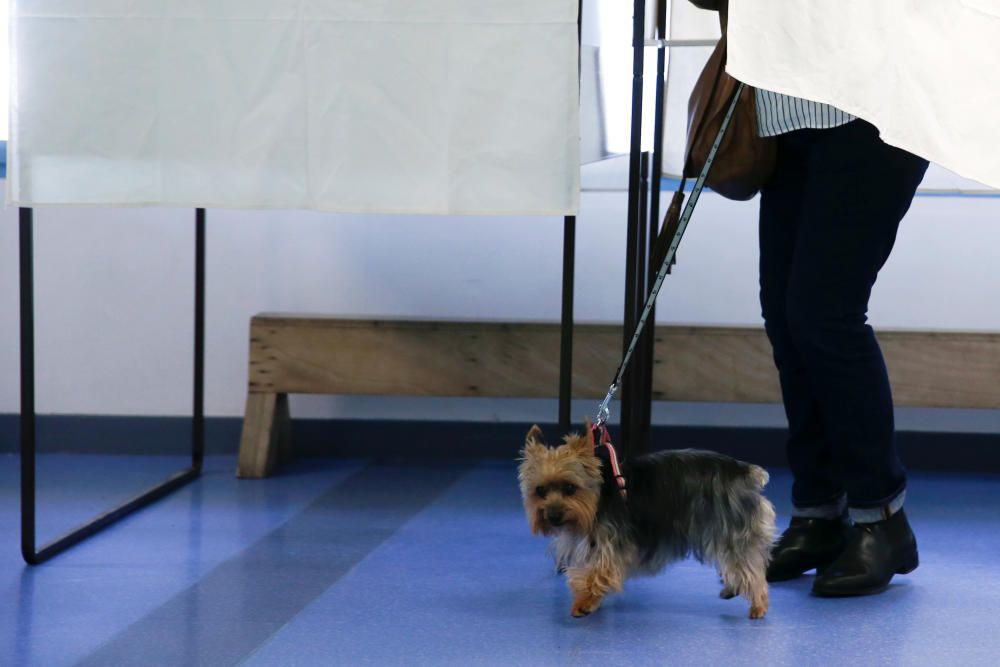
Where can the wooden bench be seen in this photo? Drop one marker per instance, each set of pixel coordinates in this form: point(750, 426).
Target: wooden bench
point(313, 354)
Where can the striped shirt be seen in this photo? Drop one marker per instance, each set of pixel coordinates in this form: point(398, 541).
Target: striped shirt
point(777, 114)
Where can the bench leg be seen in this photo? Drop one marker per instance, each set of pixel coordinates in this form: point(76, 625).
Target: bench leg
point(266, 437)
point(283, 429)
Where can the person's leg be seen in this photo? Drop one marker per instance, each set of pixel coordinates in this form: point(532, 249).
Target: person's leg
point(858, 191)
point(817, 532)
point(815, 493)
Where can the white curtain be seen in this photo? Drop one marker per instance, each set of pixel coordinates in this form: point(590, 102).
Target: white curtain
point(926, 73)
point(409, 106)
point(685, 23)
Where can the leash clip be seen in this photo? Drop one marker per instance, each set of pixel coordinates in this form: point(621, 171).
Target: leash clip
point(604, 411)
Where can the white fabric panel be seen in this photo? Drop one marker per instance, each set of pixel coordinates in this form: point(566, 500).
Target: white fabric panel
point(416, 106)
point(940, 180)
point(688, 22)
point(683, 67)
point(924, 73)
point(593, 121)
point(593, 111)
point(684, 64)
point(607, 77)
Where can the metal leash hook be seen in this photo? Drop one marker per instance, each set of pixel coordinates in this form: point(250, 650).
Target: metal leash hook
point(603, 410)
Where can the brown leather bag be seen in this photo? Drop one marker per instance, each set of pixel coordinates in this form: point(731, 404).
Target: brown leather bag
point(745, 161)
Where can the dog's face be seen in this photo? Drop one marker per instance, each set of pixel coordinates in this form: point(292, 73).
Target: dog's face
point(561, 486)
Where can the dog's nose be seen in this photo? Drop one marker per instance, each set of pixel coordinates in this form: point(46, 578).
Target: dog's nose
point(555, 517)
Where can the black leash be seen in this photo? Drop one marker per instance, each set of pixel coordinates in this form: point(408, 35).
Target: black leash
point(603, 411)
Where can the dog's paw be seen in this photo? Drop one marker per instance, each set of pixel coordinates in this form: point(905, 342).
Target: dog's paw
point(727, 593)
point(757, 612)
point(585, 605)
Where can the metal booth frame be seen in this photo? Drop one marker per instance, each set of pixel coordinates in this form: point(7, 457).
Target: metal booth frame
point(642, 228)
point(29, 547)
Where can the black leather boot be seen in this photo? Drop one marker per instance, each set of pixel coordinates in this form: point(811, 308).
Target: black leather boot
point(874, 553)
point(807, 544)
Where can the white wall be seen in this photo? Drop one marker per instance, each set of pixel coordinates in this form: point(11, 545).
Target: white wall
point(113, 287)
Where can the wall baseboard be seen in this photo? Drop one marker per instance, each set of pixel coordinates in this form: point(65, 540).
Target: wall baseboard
point(945, 451)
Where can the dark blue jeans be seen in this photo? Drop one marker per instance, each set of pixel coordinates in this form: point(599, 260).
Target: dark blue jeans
point(828, 221)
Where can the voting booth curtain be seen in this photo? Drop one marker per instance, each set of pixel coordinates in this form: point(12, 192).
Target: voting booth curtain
point(401, 106)
point(924, 73)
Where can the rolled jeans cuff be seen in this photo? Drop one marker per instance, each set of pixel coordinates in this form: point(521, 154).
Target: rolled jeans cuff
point(880, 513)
point(830, 510)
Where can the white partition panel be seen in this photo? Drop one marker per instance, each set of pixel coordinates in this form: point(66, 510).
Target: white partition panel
point(685, 24)
point(689, 28)
point(429, 106)
point(924, 73)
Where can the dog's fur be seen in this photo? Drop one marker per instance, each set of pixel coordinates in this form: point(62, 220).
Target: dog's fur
point(680, 503)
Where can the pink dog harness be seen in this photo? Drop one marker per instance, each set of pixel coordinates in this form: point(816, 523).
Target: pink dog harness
point(605, 451)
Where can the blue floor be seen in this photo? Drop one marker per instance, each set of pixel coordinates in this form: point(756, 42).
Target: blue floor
point(353, 562)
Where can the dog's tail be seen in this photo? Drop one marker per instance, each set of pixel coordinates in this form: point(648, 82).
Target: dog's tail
point(759, 475)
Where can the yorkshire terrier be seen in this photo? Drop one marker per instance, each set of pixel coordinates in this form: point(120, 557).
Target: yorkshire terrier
point(675, 504)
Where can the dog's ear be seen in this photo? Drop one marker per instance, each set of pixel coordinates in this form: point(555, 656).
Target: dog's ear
point(534, 442)
point(588, 432)
point(582, 443)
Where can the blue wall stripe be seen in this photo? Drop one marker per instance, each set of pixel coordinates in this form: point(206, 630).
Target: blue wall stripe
point(922, 446)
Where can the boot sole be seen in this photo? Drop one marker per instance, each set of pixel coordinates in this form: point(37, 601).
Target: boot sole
point(907, 566)
point(852, 593)
point(795, 574)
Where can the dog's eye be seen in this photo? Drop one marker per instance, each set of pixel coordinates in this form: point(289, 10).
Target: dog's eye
point(540, 491)
point(569, 489)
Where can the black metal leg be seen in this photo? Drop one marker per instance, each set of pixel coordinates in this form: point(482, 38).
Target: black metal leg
point(27, 290)
point(566, 345)
point(640, 401)
point(35, 556)
point(568, 279)
point(642, 391)
point(630, 319)
point(198, 408)
point(649, 355)
point(632, 279)
point(661, 67)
